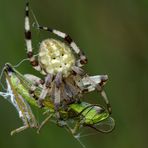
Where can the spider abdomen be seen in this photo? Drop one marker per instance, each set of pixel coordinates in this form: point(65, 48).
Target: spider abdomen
point(55, 56)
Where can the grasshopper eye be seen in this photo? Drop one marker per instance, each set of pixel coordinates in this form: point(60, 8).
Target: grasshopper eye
point(8, 67)
point(105, 126)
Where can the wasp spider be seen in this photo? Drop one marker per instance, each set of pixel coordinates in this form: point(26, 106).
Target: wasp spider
point(61, 63)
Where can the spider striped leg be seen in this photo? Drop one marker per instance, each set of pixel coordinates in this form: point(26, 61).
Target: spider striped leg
point(82, 58)
point(36, 81)
point(86, 86)
point(57, 94)
point(78, 71)
point(96, 83)
point(46, 87)
point(98, 79)
point(28, 41)
point(104, 96)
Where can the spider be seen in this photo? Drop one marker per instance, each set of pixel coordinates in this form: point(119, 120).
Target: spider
point(61, 63)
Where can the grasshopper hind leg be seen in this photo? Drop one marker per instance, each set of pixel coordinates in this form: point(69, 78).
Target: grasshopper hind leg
point(20, 129)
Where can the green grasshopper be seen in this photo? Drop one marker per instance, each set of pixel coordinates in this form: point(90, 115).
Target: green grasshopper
point(82, 114)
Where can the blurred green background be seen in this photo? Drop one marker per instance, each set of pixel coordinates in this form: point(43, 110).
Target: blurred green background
point(114, 36)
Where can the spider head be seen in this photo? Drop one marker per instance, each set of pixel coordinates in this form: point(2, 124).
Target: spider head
point(55, 56)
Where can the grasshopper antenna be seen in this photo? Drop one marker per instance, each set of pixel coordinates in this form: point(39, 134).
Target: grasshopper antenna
point(22, 61)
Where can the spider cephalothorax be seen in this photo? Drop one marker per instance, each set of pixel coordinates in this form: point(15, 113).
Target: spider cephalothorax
point(61, 64)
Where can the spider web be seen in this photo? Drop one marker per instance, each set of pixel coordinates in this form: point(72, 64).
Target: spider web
point(81, 135)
